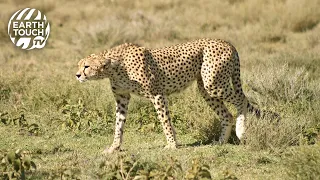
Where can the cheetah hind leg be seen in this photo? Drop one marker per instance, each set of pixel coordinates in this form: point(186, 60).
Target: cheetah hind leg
point(221, 110)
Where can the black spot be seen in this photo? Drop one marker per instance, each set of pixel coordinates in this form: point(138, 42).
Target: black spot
point(122, 105)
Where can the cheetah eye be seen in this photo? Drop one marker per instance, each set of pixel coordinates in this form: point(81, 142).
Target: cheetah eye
point(86, 67)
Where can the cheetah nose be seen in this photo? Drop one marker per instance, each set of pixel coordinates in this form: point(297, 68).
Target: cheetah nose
point(78, 75)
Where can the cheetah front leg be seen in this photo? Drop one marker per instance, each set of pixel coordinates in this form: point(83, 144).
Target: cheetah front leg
point(161, 105)
point(122, 102)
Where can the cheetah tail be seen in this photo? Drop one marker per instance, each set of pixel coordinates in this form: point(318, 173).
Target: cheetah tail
point(238, 88)
point(263, 113)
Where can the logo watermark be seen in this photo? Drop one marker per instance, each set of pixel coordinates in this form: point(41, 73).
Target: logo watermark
point(28, 29)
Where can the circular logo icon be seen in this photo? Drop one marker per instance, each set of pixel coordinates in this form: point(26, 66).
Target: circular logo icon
point(28, 29)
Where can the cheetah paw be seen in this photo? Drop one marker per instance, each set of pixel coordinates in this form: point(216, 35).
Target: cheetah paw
point(217, 142)
point(110, 150)
point(170, 146)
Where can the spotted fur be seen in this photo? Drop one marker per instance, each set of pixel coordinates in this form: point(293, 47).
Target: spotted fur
point(156, 73)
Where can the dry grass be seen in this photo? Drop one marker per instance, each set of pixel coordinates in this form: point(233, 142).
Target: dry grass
point(279, 47)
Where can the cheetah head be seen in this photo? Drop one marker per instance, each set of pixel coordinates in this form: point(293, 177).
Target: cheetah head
point(92, 67)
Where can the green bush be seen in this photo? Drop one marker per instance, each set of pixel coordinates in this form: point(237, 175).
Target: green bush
point(126, 167)
point(79, 119)
point(14, 165)
point(21, 122)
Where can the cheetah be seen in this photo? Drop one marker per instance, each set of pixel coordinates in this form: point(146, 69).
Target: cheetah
point(157, 73)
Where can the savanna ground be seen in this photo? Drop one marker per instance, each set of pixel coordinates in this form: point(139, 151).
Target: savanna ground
point(63, 126)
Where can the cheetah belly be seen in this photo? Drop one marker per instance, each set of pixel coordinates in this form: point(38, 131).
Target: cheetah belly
point(177, 66)
point(175, 80)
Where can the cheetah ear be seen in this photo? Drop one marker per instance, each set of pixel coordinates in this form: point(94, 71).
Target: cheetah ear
point(113, 61)
point(109, 62)
point(80, 62)
point(106, 62)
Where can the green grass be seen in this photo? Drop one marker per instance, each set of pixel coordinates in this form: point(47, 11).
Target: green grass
point(64, 125)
